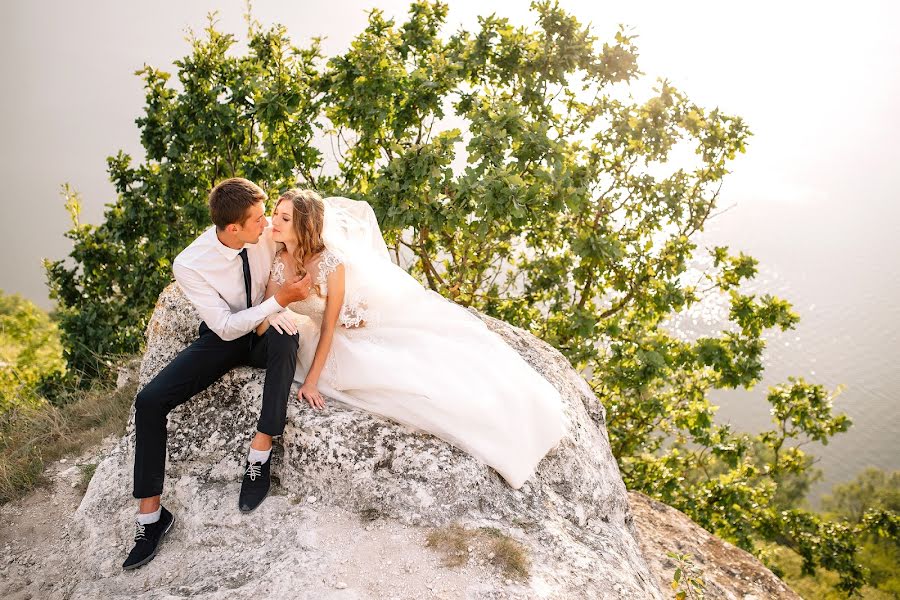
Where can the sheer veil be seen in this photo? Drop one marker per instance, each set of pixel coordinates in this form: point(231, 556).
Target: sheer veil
point(377, 292)
point(350, 225)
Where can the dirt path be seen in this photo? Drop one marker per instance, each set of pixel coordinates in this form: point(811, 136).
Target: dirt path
point(33, 530)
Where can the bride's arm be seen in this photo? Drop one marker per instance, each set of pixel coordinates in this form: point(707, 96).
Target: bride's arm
point(333, 303)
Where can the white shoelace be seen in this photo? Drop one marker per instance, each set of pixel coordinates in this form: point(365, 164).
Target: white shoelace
point(139, 532)
point(254, 471)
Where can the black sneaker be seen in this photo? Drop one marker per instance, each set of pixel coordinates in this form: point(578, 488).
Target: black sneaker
point(147, 539)
point(255, 485)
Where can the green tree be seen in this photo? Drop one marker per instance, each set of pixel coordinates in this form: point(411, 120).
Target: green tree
point(250, 116)
point(29, 351)
point(870, 501)
point(513, 171)
point(868, 506)
point(873, 489)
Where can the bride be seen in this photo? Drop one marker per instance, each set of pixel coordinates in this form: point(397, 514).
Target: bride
point(372, 337)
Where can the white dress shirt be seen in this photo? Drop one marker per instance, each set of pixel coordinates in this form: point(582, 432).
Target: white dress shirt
point(212, 277)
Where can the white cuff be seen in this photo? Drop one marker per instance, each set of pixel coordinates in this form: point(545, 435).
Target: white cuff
point(270, 305)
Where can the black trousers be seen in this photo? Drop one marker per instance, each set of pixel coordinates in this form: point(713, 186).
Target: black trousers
point(196, 368)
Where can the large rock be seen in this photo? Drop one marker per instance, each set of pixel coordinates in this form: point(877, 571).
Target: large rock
point(727, 571)
point(573, 517)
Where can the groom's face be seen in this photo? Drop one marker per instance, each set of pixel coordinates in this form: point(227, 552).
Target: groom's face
point(253, 225)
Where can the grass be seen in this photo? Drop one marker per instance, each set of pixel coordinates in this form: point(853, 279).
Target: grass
point(30, 437)
point(457, 544)
point(87, 473)
point(452, 542)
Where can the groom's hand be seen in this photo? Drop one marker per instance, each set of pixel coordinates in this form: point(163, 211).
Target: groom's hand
point(294, 290)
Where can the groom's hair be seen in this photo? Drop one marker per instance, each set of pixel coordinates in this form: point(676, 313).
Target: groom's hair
point(230, 200)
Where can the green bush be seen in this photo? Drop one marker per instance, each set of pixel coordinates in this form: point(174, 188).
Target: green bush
point(30, 352)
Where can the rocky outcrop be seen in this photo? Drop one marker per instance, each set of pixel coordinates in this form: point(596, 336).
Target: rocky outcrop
point(727, 571)
point(356, 496)
point(573, 517)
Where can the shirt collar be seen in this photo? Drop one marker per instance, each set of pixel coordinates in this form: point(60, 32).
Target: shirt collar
point(229, 253)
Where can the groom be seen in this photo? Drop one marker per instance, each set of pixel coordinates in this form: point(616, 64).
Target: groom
point(224, 274)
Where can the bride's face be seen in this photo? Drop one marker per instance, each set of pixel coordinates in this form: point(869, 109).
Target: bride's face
point(283, 223)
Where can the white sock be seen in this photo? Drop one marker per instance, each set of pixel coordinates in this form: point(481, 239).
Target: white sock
point(258, 456)
point(147, 518)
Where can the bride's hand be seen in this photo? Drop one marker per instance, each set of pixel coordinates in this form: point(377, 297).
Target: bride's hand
point(283, 322)
point(310, 393)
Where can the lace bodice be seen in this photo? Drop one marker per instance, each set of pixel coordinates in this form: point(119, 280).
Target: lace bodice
point(314, 305)
point(353, 313)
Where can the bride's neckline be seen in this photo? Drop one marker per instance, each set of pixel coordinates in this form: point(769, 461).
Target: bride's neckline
point(317, 258)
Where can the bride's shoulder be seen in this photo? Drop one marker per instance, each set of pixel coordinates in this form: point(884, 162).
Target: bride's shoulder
point(329, 260)
point(331, 255)
point(278, 258)
point(277, 269)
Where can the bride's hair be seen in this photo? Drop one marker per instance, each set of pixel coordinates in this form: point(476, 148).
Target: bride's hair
point(308, 220)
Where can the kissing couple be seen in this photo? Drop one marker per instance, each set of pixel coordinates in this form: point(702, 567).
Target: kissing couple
point(311, 295)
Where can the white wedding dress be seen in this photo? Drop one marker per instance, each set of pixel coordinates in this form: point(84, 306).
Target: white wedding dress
point(433, 366)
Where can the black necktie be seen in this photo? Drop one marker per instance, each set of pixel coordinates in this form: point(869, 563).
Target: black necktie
point(246, 265)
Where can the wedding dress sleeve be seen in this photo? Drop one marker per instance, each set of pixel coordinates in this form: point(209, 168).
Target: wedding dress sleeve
point(354, 310)
point(277, 272)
